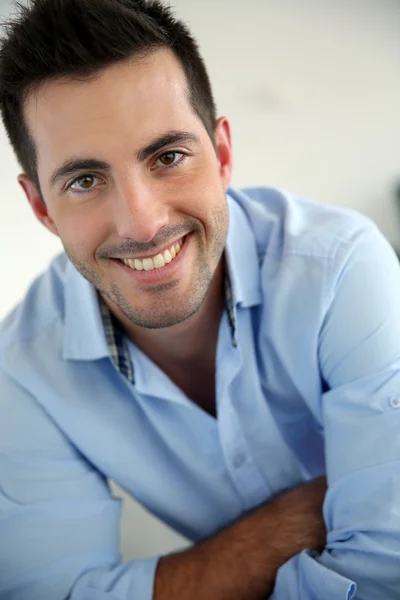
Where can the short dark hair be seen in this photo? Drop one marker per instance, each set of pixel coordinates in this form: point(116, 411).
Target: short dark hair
point(50, 39)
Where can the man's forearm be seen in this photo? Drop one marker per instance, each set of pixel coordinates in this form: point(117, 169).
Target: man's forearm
point(241, 562)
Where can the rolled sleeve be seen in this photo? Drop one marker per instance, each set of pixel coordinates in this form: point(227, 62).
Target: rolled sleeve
point(359, 356)
point(304, 577)
point(59, 524)
point(132, 580)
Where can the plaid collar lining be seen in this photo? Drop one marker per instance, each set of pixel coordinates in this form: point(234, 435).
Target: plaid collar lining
point(117, 344)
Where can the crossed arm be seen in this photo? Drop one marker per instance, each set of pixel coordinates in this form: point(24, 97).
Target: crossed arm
point(241, 562)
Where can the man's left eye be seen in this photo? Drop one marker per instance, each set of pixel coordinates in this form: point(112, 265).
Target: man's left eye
point(170, 159)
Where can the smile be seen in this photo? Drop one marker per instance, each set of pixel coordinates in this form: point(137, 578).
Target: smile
point(154, 262)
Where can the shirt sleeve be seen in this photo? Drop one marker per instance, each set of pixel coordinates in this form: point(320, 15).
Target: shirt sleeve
point(359, 357)
point(59, 524)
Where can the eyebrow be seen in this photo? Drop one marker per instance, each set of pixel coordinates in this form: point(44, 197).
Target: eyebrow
point(72, 165)
point(172, 137)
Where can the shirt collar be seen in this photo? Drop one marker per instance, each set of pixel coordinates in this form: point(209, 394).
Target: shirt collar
point(91, 331)
point(242, 261)
point(84, 333)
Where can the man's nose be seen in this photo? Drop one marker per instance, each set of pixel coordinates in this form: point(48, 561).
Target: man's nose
point(141, 210)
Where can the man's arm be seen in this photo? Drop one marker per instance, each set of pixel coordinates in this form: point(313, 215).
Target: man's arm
point(359, 354)
point(241, 562)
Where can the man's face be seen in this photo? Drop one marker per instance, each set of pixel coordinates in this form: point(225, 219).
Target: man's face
point(128, 172)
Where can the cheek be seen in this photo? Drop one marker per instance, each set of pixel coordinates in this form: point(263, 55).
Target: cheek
point(81, 232)
point(200, 195)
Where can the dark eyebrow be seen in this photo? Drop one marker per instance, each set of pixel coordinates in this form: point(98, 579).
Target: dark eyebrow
point(78, 164)
point(172, 137)
point(73, 165)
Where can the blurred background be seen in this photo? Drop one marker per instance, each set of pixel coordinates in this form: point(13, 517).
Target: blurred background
point(312, 89)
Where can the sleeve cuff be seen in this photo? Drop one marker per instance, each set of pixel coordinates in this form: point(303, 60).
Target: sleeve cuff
point(303, 577)
point(131, 580)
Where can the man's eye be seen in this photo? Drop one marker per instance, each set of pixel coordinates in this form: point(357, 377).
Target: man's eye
point(170, 159)
point(83, 183)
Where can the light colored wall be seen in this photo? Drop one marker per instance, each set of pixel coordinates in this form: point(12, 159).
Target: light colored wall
point(313, 92)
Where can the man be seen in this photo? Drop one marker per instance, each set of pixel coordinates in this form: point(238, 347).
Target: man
point(214, 351)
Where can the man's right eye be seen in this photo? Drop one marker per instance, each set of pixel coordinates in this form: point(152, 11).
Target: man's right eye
point(83, 184)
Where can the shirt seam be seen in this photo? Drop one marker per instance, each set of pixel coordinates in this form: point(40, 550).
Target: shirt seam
point(340, 241)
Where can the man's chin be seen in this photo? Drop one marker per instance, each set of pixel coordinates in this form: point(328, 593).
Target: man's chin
point(151, 315)
point(157, 321)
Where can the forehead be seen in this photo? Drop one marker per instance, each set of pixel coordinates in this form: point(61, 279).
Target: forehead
point(123, 106)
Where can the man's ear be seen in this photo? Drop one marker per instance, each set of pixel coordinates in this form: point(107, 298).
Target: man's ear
point(37, 204)
point(224, 150)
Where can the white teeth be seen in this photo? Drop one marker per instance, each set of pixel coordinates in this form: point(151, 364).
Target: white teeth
point(167, 256)
point(157, 262)
point(137, 264)
point(148, 264)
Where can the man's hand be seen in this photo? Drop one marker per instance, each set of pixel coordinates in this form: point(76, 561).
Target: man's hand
point(241, 562)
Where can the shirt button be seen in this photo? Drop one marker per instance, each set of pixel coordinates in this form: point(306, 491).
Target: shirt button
point(394, 402)
point(239, 460)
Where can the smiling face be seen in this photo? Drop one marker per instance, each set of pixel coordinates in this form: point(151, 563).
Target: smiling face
point(133, 186)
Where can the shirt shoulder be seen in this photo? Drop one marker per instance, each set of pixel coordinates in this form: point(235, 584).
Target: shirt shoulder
point(40, 310)
point(287, 224)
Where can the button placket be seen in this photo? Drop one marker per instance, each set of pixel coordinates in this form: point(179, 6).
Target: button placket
point(244, 474)
point(249, 482)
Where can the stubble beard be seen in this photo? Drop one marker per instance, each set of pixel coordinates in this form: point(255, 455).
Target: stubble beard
point(174, 309)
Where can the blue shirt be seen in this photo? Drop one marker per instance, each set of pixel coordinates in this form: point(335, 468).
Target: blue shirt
point(307, 380)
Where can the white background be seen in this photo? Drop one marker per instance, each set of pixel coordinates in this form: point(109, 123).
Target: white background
point(312, 89)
